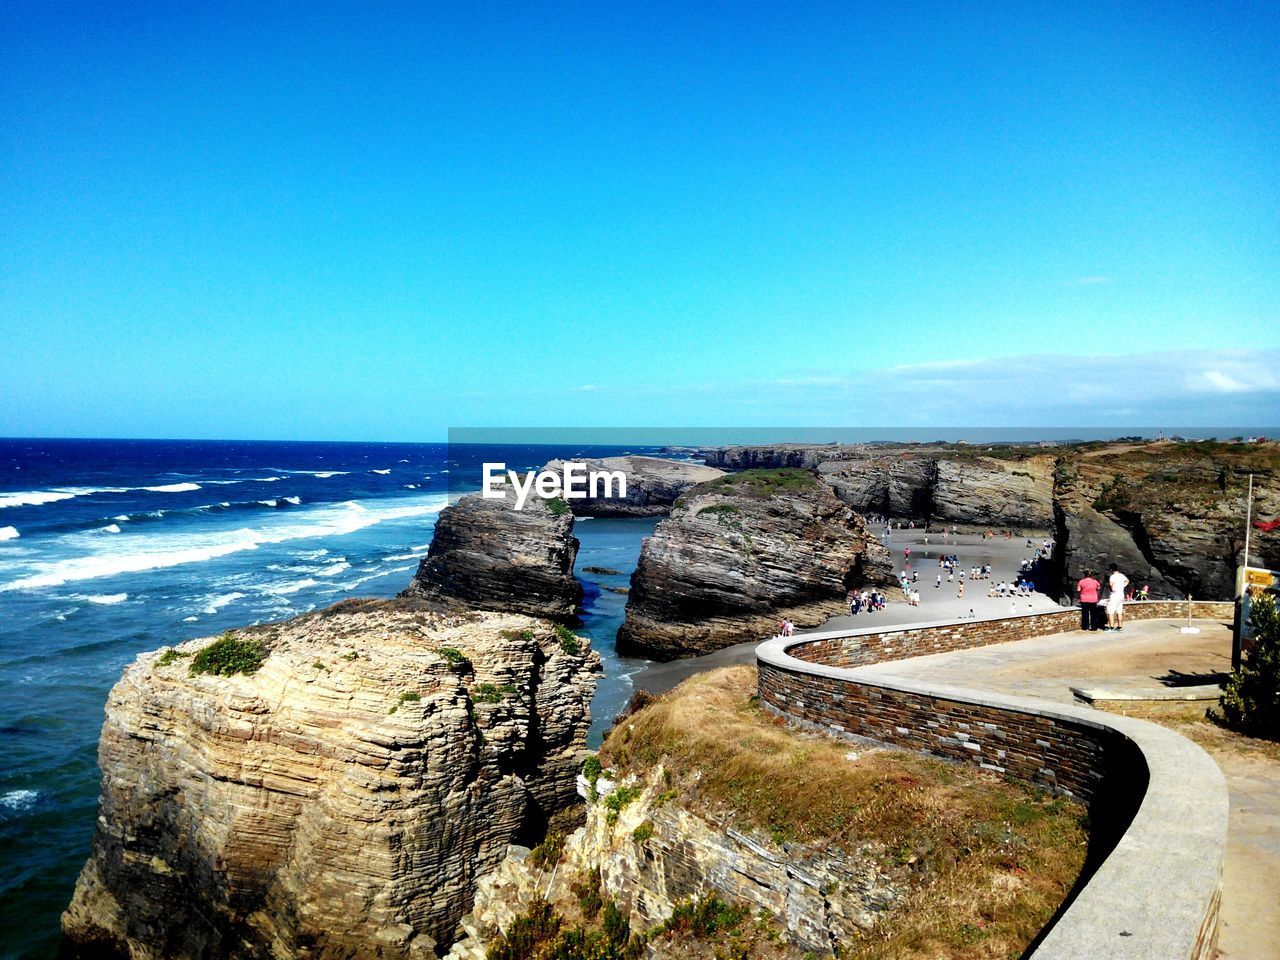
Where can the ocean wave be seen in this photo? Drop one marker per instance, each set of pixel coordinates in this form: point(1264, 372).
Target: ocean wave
point(215, 602)
point(103, 599)
point(405, 556)
point(382, 473)
point(134, 553)
point(281, 589)
point(110, 528)
point(281, 501)
point(172, 488)
point(9, 533)
point(323, 474)
point(333, 569)
point(266, 479)
point(34, 498)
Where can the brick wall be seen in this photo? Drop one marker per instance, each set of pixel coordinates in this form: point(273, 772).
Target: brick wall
point(1093, 762)
point(871, 646)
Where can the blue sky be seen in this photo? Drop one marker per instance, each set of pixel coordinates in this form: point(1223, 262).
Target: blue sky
point(377, 221)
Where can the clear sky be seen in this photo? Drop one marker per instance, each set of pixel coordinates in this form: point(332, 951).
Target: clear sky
point(377, 220)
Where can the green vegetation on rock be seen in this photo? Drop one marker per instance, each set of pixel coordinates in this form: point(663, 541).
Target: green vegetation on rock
point(227, 656)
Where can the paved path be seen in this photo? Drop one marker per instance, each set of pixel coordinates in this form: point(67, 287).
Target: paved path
point(1151, 652)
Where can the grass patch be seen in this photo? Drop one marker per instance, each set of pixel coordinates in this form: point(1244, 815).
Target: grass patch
point(642, 833)
point(719, 509)
point(764, 483)
point(557, 507)
point(227, 656)
point(977, 853)
point(409, 696)
point(170, 656)
point(491, 692)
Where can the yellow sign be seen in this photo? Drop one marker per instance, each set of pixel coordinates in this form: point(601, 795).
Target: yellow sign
point(1259, 578)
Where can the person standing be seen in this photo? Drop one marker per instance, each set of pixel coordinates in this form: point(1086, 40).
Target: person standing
point(1117, 583)
point(1087, 588)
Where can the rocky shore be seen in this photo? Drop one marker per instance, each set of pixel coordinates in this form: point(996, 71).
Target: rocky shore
point(739, 553)
point(488, 555)
point(653, 485)
point(340, 800)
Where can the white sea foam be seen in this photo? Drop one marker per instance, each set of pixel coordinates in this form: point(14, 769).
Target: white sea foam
point(296, 501)
point(280, 589)
point(411, 486)
point(381, 472)
point(326, 474)
point(9, 533)
point(406, 556)
point(136, 552)
point(34, 498)
point(110, 528)
point(19, 801)
point(189, 619)
point(333, 569)
point(105, 599)
point(214, 603)
point(266, 479)
point(172, 488)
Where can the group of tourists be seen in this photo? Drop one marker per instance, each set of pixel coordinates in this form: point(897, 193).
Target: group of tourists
point(1019, 588)
point(869, 600)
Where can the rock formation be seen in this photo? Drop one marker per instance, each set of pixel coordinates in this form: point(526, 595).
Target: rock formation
point(1170, 514)
point(653, 484)
point(485, 554)
point(342, 800)
point(805, 456)
point(738, 554)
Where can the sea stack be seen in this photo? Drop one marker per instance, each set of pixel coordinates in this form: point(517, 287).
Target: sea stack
point(486, 554)
point(653, 485)
point(343, 798)
point(739, 553)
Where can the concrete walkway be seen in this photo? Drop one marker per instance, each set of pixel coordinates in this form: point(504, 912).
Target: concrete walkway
point(1150, 653)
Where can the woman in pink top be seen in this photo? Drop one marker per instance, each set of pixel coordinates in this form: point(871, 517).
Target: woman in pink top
point(1087, 594)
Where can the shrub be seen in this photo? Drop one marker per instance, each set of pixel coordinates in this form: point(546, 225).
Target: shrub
point(642, 833)
point(704, 918)
point(591, 770)
point(1250, 701)
point(170, 656)
point(616, 926)
point(526, 933)
point(452, 656)
point(617, 801)
point(569, 641)
point(557, 507)
point(227, 656)
point(587, 890)
point(548, 852)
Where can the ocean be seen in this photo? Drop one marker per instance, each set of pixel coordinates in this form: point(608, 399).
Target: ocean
point(109, 548)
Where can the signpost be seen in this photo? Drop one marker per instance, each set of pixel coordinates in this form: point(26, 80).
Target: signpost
point(1250, 583)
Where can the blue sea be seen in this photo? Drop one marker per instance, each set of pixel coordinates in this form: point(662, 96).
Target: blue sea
point(113, 547)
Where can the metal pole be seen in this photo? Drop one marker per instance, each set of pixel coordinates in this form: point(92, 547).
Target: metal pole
point(1248, 525)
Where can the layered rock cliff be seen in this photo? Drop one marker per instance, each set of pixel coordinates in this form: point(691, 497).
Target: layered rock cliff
point(488, 555)
point(340, 801)
point(738, 554)
point(653, 485)
point(1172, 515)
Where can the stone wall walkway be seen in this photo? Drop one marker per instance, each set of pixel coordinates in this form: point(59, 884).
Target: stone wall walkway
point(1149, 652)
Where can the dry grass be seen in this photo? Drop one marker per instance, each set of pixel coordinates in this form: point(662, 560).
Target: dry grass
point(1188, 719)
point(988, 862)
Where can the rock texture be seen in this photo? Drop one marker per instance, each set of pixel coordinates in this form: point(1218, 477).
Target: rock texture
point(738, 554)
point(653, 484)
point(1170, 514)
point(488, 555)
point(343, 800)
point(963, 489)
point(804, 456)
point(819, 895)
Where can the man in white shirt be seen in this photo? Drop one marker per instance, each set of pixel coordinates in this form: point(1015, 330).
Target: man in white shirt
point(1117, 583)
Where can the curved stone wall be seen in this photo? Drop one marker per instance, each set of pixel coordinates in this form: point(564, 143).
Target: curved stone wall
point(1158, 803)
